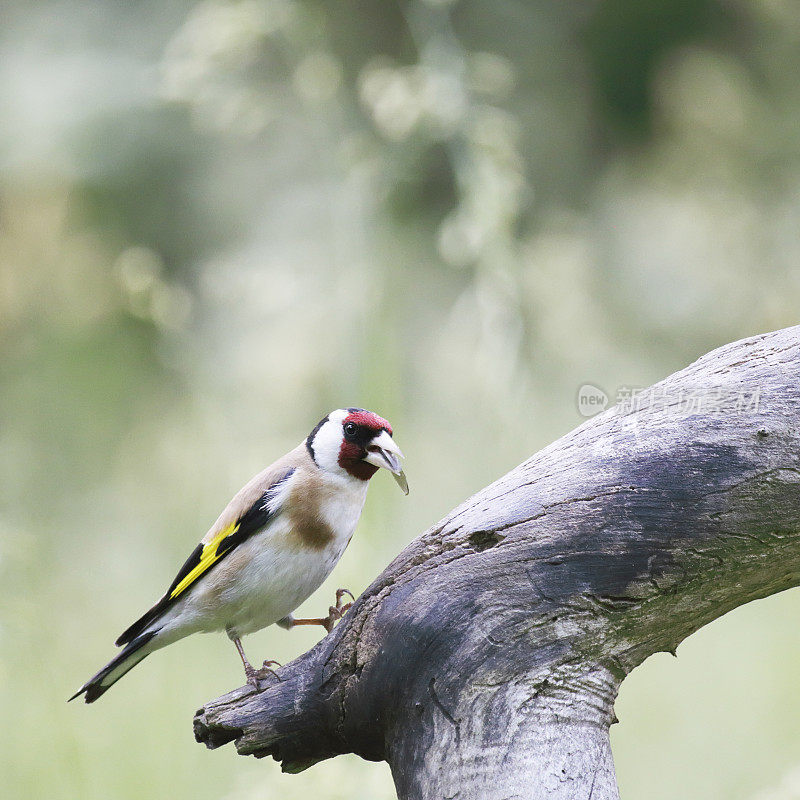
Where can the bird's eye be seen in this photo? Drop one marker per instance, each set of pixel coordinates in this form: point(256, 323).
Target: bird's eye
point(350, 429)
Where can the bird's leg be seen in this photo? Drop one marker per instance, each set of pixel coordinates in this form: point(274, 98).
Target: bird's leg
point(249, 672)
point(252, 674)
point(334, 613)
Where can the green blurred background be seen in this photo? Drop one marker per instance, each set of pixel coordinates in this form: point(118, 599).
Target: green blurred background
point(219, 220)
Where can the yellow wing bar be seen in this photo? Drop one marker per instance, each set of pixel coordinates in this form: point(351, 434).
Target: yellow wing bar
point(209, 556)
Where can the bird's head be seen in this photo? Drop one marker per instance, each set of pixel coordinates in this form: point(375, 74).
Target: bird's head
point(356, 442)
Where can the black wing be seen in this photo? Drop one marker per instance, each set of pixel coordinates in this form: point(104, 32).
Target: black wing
point(205, 556)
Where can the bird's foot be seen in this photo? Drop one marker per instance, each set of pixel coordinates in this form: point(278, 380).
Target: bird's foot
point(340, 593)
point(255, 675)
point(335, 613)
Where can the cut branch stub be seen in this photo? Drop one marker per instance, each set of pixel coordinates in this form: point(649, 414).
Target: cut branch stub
point(484, 661)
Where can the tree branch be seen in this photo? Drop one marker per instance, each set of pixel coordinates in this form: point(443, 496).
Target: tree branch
point(485, 660)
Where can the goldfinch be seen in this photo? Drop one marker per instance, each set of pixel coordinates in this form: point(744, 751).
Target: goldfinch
point(272, 546)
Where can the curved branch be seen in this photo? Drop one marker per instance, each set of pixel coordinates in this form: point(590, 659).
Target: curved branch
point(485, 660)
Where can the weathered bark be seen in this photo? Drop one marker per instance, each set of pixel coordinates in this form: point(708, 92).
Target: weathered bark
point(485, 660)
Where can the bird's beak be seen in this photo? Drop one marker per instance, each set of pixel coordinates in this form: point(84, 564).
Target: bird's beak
point(383, 452)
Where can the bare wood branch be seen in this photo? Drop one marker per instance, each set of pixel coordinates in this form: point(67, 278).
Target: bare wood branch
point(485, 660)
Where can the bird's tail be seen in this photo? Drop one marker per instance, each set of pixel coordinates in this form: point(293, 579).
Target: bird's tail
point(125, 661)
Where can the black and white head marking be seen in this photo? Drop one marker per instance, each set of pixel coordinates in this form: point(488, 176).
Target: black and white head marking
point(355, 443)
point(325, 441)
point(312, 436)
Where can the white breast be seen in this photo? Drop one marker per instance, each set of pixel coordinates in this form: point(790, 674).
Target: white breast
point(268, 576)
point(342, 510)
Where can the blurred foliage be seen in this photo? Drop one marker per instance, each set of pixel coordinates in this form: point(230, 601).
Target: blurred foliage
point(626, 41)
point(219, 220)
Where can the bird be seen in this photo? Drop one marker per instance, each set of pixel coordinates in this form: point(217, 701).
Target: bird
point(272, 546)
